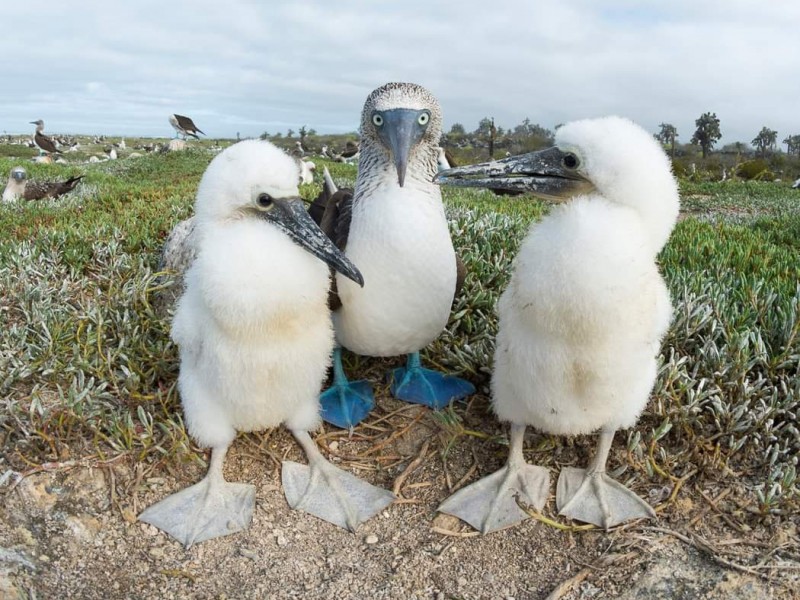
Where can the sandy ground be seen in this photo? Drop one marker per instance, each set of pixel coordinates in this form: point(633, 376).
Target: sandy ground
point(70, 531)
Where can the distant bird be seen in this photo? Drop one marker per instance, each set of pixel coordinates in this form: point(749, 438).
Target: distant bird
point(582, 318)
point(441, 160)
point(19, 186)
point(184, 126)
point(796, 185)
point(298, 151)
point(350, 153)
point(111, 152)
point(395, 228)
point(255, 339)
point(44, 143)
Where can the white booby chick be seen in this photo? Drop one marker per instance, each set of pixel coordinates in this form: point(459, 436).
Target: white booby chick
point(184, 126)
point(582, 319)
point(394, 227)
point(255, 340)
point(43, 142)
point(19, 186)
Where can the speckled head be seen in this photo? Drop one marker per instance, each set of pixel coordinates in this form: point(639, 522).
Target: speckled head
point(400, 117)
point(18, 174)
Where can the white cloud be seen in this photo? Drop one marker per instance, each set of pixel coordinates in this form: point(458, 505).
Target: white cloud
point(87, 66)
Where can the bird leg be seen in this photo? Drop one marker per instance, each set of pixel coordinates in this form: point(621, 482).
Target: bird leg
point(590, 495)
point(206, 510)
point(490, 504)
point(328, 492)
point(413, 383)
point(345, 403)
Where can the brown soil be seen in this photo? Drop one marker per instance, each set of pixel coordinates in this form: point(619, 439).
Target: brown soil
point(69, 530)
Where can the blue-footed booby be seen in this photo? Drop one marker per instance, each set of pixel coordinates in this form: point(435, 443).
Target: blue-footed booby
point(255, 339)
point(43, 142)
point(583, 316)
point(184, 126)
point(19, 186)
point(394, 227)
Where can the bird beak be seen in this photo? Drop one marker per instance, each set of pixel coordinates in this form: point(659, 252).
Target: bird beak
point(400, 133)
point(541, 173)
point(290, 215)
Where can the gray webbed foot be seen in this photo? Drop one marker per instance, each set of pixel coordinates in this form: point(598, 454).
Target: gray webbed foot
point(490, 504)
point(327, 492)
point(596, 498)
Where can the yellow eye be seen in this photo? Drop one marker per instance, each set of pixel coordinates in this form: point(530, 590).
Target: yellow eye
point(377, 120)
point(423, 118)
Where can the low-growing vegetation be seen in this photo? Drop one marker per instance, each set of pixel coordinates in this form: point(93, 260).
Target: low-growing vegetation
point(87, 367)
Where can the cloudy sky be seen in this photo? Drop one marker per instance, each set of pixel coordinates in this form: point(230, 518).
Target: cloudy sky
point(245, 66)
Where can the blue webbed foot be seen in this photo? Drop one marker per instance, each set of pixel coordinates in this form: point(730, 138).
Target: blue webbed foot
point(413, 383)
point(345, 403)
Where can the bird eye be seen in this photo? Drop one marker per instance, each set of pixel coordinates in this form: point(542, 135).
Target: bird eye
point(377, 120)
point(423, 118)
point(570, 161)
point(264, 200)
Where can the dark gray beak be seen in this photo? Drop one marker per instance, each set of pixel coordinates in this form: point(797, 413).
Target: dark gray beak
point(400, 132)
point(551, 174)
point(290, 215)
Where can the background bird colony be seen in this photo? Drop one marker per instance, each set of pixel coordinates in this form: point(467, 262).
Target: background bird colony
point(87, 370)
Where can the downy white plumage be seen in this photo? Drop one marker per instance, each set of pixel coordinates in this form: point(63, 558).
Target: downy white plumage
point(582, 319)
point(255, 340)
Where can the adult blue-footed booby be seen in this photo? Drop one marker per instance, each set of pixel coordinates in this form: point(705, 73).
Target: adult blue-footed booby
point(19, 186)
point(184, 126)
point(44, 143)
point(255, 339)
point(583, 316)
point(394, 228)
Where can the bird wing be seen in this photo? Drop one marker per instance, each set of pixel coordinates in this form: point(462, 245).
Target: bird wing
point(188, 125)
point(44, 142)
point(334, 212)
point(36, 190)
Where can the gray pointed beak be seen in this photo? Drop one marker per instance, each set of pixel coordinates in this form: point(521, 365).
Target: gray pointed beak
point(542, 173)
point(290, 215)
point(400, 133)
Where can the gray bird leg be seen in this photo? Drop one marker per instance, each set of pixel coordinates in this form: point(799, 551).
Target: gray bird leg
point(329, 493)
point(490, 504)
point(590, 495)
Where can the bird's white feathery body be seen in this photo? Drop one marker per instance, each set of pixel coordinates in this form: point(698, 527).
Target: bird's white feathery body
point(253, 326)
point(580, 323)
point(401, 243)
point(582, 319)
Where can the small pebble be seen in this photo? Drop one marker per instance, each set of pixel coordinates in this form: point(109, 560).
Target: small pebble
point(247, 553)
point(371, 539)
point(44, 558)
point(334, 446)
point(157, 552)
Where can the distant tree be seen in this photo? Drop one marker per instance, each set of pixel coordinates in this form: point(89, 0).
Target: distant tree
point(289, 133)
point(764, 142)
point(528, 129)
point(264, 135)
point(484, 127)
point(312, 132)
point(707, 133)
point(792, 144)
point(303, 133)
point(278, 135)
point(667, 135)
point(458, 129)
